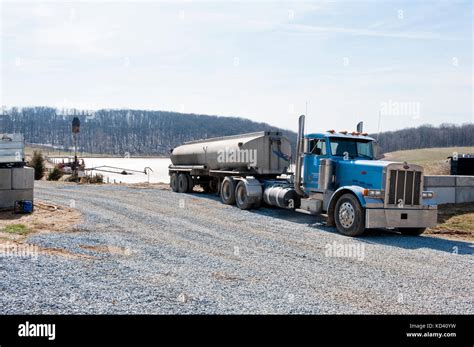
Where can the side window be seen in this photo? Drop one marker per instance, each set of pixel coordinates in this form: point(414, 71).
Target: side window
point(317, 147)
point(322, 146)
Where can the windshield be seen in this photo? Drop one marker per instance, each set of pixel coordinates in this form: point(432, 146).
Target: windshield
point(351, 148)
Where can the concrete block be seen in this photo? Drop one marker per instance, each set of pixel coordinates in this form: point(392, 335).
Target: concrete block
point(444, 195)
point(464, 181)
point(8, 197)
point(23, 178)
point(5, 179)
point(464, 194)
point(440, 181)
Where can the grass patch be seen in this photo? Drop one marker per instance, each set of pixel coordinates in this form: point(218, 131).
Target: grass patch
point(433, 160)
point(455, 219)
point(20, 229)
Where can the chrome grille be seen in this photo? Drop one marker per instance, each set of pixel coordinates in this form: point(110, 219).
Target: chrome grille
point(404, 187)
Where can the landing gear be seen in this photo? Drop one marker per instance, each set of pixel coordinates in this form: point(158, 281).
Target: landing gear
point(211, 187)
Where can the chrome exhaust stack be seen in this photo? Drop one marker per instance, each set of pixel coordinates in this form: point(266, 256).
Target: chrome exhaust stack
point(299, 156)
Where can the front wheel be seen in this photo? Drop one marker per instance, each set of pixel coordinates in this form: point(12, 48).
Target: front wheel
point(349, 216)
point(412, 231)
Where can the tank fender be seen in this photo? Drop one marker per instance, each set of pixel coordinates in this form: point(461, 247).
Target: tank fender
point(253, 188)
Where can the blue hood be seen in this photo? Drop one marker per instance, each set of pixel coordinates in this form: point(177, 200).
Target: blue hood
point(362, 173)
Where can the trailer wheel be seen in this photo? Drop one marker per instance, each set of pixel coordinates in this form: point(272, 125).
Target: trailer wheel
point(228, 191)
point(190, 183)
point(258, 204)
point(174, 182)
point(349, 216)
point(182, 183)
point(241, 197)
point(412, 231)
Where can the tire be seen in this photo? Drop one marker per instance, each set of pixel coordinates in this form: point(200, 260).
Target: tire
point(241, 197)
point(182, 183)
point(412, 231)
point(190, 183)
point(258, 204)
point(349, 216)
point(214, 185)
point(174, 182)
point(228, 191)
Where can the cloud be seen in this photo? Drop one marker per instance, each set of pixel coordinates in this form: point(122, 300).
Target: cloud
point(310, 29)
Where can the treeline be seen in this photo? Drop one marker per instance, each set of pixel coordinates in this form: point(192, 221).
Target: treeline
point(140, 132)
point(426, 136)
point(120, 132)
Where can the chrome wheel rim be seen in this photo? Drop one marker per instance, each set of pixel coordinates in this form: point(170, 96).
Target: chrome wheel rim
point(346, 215)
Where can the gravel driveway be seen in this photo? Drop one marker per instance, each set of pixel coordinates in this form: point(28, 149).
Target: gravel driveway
point(154, 251)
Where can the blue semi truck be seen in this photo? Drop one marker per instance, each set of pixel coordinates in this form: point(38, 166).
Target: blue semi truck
point(335, 173)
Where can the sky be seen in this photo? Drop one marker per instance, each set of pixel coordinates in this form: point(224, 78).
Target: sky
point(391, 64)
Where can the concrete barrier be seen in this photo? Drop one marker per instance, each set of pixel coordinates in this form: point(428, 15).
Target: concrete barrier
point(8, 197)
point(16, 184)
point(451, 189)
point(5, 179)
point(23, 178)
point(440, 181)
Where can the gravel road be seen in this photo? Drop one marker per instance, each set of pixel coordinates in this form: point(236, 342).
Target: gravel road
point(154, 251)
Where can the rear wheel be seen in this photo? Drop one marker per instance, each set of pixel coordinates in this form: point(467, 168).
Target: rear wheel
point(190, 183)
point(412, 231)
point(228, 191)
point(174, 182)
point(349, 216)
point(182, 183)
point(258, 204)
point(242, 198)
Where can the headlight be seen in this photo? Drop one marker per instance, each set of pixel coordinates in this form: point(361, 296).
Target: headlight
point(427, 195)
point(374, 193)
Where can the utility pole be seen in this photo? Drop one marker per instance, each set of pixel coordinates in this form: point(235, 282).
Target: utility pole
point(76, 124)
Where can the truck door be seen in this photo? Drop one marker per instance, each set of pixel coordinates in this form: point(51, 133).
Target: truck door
point(316, 151)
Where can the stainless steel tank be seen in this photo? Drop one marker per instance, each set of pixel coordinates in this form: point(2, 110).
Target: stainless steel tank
point(263, 152)
point(284, 197)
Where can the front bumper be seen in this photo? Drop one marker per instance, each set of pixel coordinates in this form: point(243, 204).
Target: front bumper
point(400, 218)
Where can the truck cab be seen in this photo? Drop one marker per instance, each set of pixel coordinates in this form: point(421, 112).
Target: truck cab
point(342, 177)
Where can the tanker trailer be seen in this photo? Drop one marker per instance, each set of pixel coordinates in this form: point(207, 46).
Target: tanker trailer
point(263, 155)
